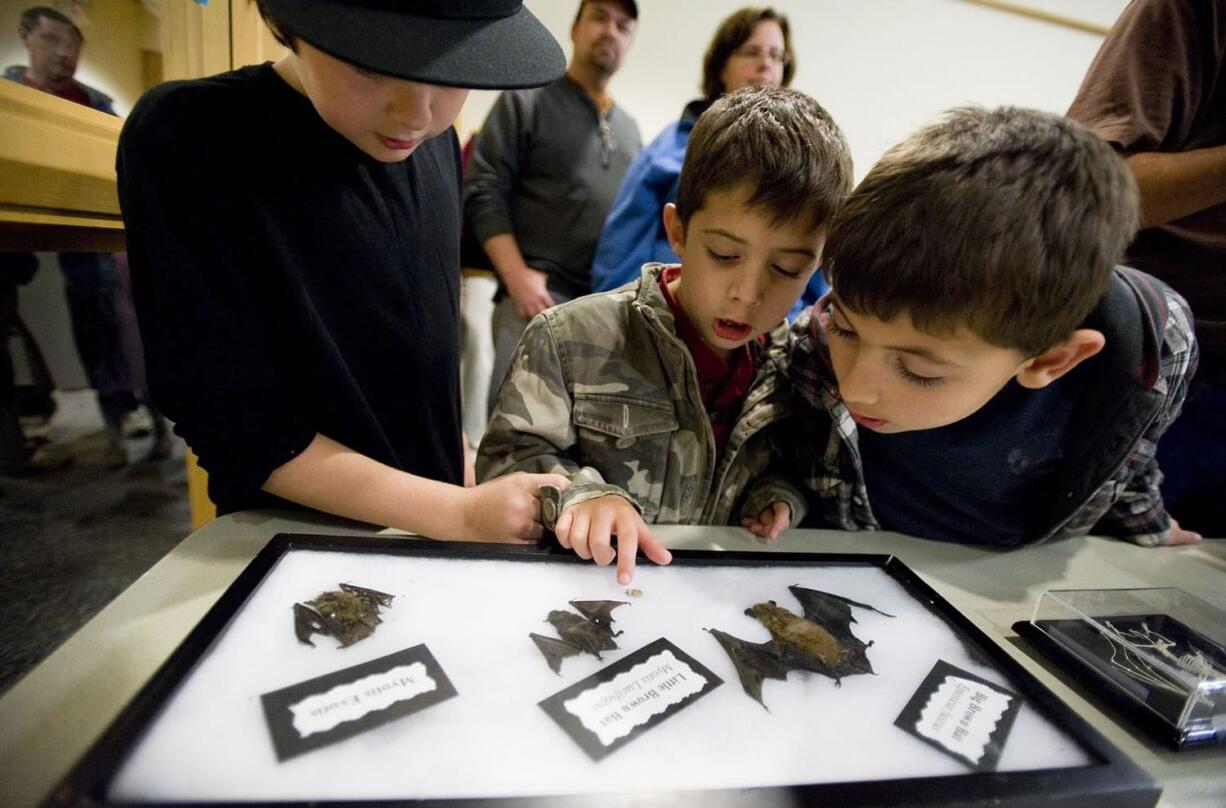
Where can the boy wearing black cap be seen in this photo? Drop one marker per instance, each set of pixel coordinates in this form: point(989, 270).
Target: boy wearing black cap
point(293, 232)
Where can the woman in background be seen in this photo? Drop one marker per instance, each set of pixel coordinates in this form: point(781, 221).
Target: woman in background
point(752, 46)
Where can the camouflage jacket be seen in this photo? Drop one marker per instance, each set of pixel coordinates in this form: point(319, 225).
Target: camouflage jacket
point(603, 390)
point(1108, 482)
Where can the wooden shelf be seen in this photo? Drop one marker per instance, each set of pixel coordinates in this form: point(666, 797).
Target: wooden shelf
point(57, 173)
point(41, 230)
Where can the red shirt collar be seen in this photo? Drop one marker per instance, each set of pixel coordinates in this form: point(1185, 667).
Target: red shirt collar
point(723, 385)
point(71, 92)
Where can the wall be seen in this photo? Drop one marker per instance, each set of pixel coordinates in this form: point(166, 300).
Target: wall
point(882, 67)
point(45, 312)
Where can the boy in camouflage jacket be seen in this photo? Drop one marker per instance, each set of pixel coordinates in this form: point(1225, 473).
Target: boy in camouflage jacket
point(652, 398)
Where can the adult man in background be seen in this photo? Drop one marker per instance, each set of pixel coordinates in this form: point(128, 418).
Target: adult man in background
point(54, 43)
point(91, 280)
point(545, 169)
point(1157, 91)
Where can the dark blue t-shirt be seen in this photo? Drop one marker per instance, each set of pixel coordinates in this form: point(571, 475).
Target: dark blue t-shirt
point(978, 479)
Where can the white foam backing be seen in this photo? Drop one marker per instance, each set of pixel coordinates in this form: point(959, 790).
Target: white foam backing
point(210, 742)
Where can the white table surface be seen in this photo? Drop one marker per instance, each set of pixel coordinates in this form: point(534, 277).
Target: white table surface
point(50, 718)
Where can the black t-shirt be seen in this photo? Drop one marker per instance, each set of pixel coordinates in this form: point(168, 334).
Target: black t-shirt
point(976, 480)
point(287, 284)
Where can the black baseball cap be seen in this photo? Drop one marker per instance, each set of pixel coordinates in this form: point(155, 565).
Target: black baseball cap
point(631, 7)
point(479, 44)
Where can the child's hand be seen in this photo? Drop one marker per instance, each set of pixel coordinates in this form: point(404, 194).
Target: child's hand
point(773, 520)
point(506, 509)
point(1176, 535)
point(588, 529)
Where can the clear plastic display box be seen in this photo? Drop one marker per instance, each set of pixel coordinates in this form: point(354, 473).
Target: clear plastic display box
point(1159, 655)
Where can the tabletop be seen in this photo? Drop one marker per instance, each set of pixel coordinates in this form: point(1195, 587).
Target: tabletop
point(50, 718)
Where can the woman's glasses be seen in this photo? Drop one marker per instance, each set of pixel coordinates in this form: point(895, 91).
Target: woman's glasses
point(776, 56)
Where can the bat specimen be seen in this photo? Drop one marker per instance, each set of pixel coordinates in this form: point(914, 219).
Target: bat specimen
point(590, 631)
point(833, 612)
point(599, 612)
point(821, 641)
point(801, 643)
point(348, 614)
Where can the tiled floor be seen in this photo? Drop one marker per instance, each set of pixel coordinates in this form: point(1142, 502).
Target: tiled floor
point(73, 539)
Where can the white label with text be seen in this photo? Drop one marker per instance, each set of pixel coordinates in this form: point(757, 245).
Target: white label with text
point(612, 710)
point(961, 716)
point(348, 702)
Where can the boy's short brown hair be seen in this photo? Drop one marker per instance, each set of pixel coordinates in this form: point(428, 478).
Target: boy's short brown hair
point(732, 33)
point(780, 143)
point(1004, 221)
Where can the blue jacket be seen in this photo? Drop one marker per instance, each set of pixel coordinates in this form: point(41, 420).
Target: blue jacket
point(634, 234)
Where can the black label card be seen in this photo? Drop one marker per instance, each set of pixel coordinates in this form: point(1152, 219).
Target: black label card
point(340, 705)
point(962, 715)
point(629, 697)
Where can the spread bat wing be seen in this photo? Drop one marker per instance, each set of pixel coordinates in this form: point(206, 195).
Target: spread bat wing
point(554, 650)
point(581, 632)
point(754, 662)
point(831, 611)
point(382, 598)
point(599, 612)
point(308, 621)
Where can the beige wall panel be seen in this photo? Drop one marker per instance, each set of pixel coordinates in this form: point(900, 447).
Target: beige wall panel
point(196, 38)
point(251, 42)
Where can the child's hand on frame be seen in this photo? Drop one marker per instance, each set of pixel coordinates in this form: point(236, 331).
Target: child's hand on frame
point(773, 520)
point(588, 528)
point(506, 509)
point(1176, 535)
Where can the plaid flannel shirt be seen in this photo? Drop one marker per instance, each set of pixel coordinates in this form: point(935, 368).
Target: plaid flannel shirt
point(1110, 480)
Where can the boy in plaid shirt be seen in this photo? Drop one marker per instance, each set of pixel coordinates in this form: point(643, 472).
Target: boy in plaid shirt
point(982, 371)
